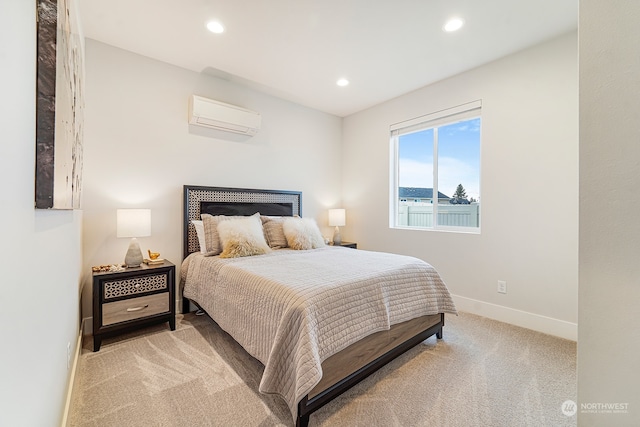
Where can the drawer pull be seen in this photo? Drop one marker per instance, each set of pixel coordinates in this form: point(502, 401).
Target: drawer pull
point(142, 307)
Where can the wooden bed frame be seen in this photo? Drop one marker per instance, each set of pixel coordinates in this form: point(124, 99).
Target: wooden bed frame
point(345, 369)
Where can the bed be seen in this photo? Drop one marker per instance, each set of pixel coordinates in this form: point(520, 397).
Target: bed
point(319, 320)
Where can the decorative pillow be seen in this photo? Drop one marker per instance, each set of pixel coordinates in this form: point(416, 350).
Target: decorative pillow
point(213, 246)
point(273, 232)
point(200, 233)
point(302, 233)
point(242, 237)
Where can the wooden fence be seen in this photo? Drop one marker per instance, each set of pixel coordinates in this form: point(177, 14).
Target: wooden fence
point(448, 215)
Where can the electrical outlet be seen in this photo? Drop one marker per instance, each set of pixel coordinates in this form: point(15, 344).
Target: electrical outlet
point(68, 355)
point(502, 286)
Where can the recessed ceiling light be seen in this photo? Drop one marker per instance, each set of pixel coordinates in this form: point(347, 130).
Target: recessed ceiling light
point(215, 27)
point(453, 25)
point(342, 82)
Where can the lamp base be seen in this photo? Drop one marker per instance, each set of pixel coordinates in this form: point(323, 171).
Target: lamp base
point(337, 238)
point(134, 254)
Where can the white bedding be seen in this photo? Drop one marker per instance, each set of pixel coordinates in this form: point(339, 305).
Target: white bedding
point(293, 309)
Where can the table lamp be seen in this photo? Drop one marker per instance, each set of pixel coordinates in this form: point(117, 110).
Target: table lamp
point(337, 219)
point(133, 223)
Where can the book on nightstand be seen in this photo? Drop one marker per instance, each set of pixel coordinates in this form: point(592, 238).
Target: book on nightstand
point(154, 261)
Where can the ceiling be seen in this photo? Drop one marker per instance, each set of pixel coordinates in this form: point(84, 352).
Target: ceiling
point(298, 49)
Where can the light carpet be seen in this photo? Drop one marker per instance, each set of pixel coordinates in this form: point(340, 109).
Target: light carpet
point(483, 373)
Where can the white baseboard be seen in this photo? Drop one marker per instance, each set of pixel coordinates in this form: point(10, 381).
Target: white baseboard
point(73, 378)
point(524, 319)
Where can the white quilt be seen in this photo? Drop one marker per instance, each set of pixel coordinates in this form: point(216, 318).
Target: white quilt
point(293, 309)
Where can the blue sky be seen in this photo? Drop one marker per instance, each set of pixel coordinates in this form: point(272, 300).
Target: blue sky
point(458, 158)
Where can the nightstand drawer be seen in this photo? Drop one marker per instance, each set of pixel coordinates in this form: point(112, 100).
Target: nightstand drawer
point(134, 308)
point(134, 285)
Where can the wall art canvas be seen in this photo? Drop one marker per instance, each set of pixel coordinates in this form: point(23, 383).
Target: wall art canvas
point(59, 106)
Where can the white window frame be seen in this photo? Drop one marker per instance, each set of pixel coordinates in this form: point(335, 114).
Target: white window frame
point(434, 120)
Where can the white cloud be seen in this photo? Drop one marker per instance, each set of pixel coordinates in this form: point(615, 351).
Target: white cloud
point(415, 174)
point(451, 172)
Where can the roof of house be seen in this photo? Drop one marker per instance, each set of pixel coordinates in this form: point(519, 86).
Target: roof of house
point(457, 201)
point(418, 193)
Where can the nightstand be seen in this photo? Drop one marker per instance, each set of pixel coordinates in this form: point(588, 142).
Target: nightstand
point(134, 297)
point(348, 245)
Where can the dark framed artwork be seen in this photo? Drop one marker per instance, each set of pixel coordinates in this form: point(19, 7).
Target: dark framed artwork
point(59, 106)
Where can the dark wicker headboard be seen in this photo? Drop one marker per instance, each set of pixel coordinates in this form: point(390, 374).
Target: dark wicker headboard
point(233, 201)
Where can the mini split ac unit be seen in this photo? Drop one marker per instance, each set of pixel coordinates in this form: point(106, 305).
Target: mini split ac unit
point(225, 117)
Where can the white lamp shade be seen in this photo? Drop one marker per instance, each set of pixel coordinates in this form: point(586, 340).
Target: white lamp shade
point(337, 217)
point(133, 222)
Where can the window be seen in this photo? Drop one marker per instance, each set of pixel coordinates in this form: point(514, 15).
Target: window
point(435, 179)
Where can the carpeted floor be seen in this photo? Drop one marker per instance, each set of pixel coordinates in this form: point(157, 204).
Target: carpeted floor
point(483, 373)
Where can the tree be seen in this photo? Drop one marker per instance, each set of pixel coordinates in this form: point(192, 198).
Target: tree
point(460, 192)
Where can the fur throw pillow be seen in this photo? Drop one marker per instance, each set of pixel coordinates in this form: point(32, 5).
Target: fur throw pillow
point(242, 237)
point(302, 233)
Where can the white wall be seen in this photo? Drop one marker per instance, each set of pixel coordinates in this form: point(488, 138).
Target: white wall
point(609, 338)
point(529, 182)
point(139, 152)
point(41, 250)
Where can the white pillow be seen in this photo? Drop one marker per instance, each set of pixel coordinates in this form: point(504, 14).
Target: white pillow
point(302, 233)
point(242, 237)
point(213, 245)
point(200, 233)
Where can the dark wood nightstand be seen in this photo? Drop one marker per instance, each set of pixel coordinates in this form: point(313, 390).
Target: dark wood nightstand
point(132, 298)
point(348, 245)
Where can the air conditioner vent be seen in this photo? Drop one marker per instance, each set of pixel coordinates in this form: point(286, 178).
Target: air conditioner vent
point(225, 117)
